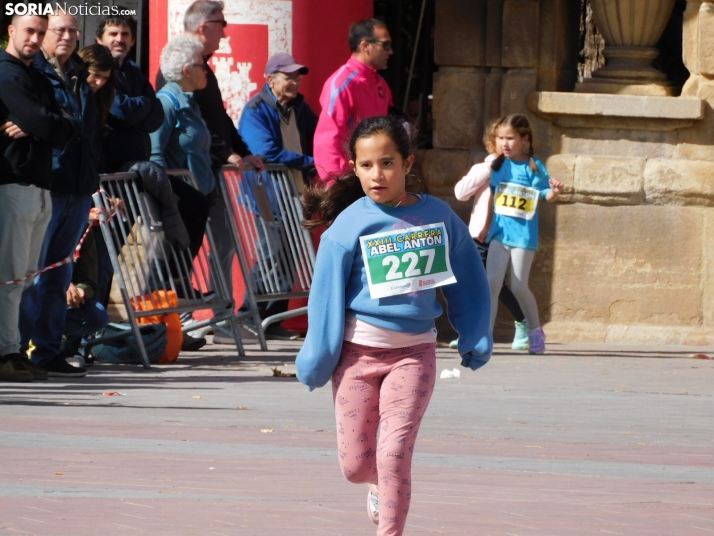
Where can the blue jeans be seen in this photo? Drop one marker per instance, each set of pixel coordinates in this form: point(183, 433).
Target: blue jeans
point(85, 320)
point(44, 303)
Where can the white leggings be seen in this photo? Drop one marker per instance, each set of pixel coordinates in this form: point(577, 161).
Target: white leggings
point(500, 259)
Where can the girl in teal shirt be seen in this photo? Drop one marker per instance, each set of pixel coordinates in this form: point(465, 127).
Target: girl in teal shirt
point(518, 183)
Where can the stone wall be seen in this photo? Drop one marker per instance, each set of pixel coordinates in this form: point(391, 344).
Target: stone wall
point(626, 255)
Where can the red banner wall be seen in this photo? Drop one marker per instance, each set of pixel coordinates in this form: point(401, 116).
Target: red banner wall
point(313, 31)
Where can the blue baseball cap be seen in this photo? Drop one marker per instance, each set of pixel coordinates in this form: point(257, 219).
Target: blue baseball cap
point(284, 63)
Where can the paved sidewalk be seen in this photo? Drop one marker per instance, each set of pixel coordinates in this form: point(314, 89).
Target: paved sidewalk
point(587, 440)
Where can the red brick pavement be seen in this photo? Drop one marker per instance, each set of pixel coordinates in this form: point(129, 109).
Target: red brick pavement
point(162, 462)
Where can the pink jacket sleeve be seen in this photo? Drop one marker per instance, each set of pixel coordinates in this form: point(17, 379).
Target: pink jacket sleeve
point(476, 184)
point(477, 176)
point(331, 134)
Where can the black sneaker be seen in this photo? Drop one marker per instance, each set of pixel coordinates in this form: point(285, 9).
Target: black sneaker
point(191, 344)
point(59, 368)
point(276, 332)
point(38, 373)
point(13, 368)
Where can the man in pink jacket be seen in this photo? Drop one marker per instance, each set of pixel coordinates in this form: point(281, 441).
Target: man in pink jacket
point(354, 92)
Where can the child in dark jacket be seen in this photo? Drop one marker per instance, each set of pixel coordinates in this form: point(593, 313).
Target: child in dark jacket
point(85, 312)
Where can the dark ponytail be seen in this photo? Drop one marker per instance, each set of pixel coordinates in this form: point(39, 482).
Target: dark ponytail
point(322, 205)
point(498, 162)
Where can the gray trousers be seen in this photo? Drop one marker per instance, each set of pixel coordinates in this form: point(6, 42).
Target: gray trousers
point(25, 212)
point(225, 250)
point(501, 260)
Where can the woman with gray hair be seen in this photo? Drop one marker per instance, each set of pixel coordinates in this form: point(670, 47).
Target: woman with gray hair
point(183, 140)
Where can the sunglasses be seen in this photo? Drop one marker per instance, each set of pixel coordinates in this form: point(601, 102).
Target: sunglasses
point(223, 23)
point(386, 45)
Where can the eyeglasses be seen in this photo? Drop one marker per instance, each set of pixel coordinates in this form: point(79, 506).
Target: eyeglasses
point(293, 77)
point(223, 22)
point(59, 32)
point(202, 65)
point(386, 45)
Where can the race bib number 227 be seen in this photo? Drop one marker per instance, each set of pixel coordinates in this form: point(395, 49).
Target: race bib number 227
point(408, 260)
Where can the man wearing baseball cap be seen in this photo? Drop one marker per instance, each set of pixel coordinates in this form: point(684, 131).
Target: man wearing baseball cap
point(277, 123)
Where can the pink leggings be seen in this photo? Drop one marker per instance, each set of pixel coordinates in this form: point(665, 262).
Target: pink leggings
point(392, 387)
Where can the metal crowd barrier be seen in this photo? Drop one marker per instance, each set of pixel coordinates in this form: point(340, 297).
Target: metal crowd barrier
point(275, 253)
point(146, 266)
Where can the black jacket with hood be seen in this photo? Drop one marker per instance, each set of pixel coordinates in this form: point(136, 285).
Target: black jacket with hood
point(27, 99)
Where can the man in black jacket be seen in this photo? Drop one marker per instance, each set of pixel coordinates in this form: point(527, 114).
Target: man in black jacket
point(204, 21)
point(74, 180)
point(31, 126)
point(136, 111)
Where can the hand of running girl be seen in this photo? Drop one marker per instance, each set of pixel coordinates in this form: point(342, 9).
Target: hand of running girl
point(556, 188)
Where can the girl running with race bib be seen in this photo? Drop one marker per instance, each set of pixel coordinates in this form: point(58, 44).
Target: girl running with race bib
point(372, 307)
point(475, 184)
point(518, 182)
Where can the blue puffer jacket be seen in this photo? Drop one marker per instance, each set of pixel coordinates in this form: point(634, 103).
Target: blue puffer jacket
point(74, 168)
point(259, 127)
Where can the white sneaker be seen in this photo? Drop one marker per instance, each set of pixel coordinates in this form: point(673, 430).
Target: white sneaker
point(76, 361)
point(373, 503)
point(195, 333)
point(245, 335)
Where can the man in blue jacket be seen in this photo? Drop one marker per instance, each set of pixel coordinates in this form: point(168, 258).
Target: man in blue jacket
point(277, 123)
point(136, 111)
point(74, 180)
point(31, 126)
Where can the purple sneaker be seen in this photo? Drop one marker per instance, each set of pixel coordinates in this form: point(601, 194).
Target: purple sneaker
point(536, 338)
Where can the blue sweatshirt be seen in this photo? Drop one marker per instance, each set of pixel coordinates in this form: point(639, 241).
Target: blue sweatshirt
point(340, 286)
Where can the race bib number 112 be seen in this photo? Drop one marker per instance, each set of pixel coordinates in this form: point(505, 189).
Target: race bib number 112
point(515, 200)
point(400, 262)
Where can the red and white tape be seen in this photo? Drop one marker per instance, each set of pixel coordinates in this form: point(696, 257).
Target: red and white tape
point(72, 258)
point(77, 250)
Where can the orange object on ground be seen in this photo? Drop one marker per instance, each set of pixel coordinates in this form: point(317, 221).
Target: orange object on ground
point(172, 321)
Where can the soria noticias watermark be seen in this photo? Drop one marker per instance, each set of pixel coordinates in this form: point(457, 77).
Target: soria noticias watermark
point(63, 8)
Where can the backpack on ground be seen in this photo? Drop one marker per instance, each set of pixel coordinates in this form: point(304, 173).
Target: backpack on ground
point(124, 350)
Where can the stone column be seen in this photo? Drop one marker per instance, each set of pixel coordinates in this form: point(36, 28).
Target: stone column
point(698, 50)
point(698, 41)
point(631, 29)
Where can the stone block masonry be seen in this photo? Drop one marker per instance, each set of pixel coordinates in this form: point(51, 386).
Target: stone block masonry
point(627, 254)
